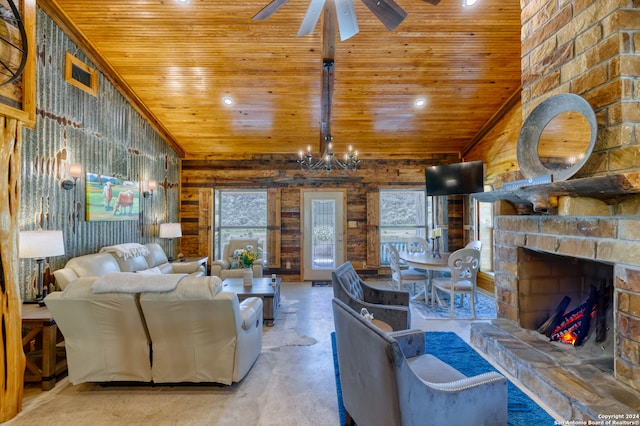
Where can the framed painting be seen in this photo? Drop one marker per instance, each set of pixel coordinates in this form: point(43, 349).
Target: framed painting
point(111, 198)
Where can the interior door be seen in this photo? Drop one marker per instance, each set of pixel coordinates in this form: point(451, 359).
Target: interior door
point(323, 233)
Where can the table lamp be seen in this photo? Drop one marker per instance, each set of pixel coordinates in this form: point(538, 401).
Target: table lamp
point(39, 245)
point(171, 231)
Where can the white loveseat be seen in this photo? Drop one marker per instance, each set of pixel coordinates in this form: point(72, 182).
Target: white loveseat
point(148, 258)
point(148, 332)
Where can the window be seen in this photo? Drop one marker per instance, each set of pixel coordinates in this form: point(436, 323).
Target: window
point(240, 214)
point(80, 75)
point(403, 214)
point(485, 235)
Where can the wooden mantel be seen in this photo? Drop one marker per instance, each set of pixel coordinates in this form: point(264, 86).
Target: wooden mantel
point(539, 198)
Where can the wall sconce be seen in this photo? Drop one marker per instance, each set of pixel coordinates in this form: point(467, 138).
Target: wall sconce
point(74, 171)
point(38, 245)
point(170, 231)
point(148, 188)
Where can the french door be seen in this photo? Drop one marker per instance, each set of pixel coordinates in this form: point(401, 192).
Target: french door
point(323, 233)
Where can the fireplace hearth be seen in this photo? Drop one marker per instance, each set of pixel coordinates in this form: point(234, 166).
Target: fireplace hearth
point(538, 261)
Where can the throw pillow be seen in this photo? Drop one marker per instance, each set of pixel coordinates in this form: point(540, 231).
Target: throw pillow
point(235, 261)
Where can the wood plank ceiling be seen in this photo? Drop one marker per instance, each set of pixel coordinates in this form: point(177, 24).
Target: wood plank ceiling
point(177, 62)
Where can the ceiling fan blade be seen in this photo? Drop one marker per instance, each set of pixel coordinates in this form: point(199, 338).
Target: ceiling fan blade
point(311, 17)
point(388, 12)
point(270, 9)
point(433, 2)
point(347, 20)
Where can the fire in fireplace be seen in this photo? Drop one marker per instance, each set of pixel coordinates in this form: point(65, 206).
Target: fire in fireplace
point(573, 327)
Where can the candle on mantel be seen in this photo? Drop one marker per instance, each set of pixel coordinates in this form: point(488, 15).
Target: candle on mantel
point(436, 233)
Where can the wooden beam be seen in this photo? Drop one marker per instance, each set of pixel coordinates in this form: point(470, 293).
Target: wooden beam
point(329, 23)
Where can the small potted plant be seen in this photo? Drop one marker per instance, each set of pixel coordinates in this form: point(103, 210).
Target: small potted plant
point(248, 256)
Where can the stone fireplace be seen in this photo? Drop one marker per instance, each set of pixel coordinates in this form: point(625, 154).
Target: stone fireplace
point(538, 260)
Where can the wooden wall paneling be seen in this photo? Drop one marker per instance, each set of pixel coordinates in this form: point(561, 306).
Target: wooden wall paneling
point(290, 239)
point(455, 221)
point(189, 219)
point(205, 223)
point(497, 149)
point(274, 203)
point(373, 228)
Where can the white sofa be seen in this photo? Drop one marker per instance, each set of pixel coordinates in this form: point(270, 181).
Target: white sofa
point(149, 258)
point(192, 332)
point(223, 267)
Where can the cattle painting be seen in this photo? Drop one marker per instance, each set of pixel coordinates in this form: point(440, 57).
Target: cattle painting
point(111, 198)
point(124, 203)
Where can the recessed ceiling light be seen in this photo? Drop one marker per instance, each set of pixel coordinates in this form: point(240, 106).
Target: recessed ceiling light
point(227, 100)
point(420, 102)
point(467, 3)
point(183, 1)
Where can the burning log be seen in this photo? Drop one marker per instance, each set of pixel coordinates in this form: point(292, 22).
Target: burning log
point(604, 296)
point(550, 324)
point(572, 328)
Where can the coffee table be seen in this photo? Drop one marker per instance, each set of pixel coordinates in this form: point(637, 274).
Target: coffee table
point(262, 288)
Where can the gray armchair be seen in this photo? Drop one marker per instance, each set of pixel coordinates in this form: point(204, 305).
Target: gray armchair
point(389, 306)
point(387, 379)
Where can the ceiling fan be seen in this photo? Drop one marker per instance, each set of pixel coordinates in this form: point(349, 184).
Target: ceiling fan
point(387, 11)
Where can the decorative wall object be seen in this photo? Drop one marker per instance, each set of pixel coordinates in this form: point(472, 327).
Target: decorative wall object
point(110, 198)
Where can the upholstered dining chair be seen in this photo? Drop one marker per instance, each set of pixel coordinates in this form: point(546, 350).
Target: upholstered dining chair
point(464, 264)
point(401, 276)
point(389, 379)
point(389, 306)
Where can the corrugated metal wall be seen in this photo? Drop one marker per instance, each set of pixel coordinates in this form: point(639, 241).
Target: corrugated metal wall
point(105, 135)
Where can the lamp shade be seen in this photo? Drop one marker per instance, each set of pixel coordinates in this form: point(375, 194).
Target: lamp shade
point(40, 244)
point(75, 170)
point(170, 230)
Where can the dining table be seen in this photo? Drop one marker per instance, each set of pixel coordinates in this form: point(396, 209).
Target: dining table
point(428, 262)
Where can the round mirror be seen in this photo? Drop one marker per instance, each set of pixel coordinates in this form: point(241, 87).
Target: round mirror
point(564, 141)
point(557, 137)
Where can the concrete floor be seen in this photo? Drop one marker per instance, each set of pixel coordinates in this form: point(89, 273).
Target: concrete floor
point(291, 383)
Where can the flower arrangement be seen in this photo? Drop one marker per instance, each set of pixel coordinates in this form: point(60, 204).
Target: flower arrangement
point(249, 255)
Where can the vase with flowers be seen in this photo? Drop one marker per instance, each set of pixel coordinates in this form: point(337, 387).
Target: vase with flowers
point(248, 256)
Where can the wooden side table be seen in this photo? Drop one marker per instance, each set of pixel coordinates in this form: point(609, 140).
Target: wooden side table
point(45, 360)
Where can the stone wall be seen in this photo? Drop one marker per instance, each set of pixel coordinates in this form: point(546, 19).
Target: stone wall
point(590, 48)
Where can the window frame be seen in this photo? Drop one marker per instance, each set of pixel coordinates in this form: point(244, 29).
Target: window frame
point(428, 219)
point(219, 229)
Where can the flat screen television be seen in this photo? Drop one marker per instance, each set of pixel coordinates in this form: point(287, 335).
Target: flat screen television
point(455, 179)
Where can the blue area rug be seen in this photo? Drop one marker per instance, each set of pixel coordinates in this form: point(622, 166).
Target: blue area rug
point(485, 307)
point(522, 410)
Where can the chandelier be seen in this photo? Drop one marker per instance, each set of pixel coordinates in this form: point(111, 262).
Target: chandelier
point(329, 161)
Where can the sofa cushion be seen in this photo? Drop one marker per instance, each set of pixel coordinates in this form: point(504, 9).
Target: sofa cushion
point(151, 271)
point(64, 276)
point(156, 256)
point(92, 265)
